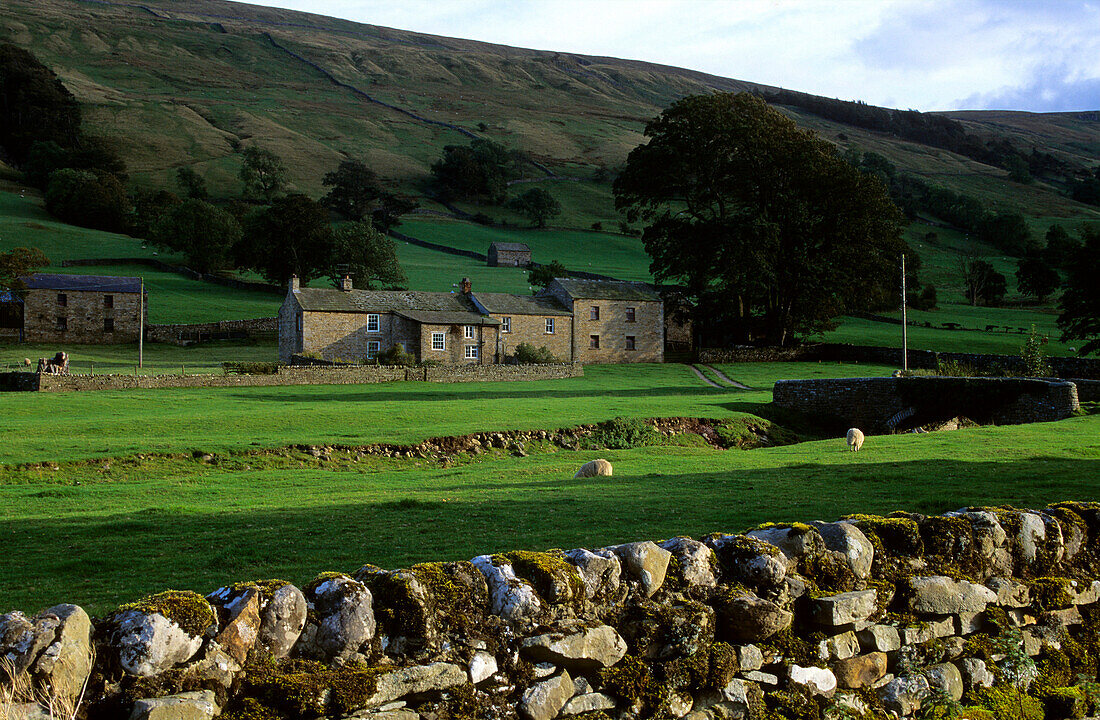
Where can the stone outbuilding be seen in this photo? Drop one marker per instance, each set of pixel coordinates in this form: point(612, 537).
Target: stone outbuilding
point(614, 321)
point(503, 254)
point(80, 309)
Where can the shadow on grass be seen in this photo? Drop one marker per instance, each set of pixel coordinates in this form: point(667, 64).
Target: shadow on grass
point(384, 396)
point(102, 561)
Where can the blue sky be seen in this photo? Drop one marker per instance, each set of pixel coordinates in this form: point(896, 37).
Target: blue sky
point(1038, 55)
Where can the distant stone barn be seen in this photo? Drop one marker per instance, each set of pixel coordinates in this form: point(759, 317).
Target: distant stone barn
point(85, 309)
point(503, 254)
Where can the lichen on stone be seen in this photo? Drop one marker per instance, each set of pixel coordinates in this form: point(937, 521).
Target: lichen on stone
point(554, 579)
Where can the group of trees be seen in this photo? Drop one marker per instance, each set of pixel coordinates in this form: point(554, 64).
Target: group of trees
point(286, 234)
point(41, 134)
point(480, 172)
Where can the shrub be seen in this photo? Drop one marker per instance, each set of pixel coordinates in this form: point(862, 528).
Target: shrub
point(250, 368)
point(482, 219)
point(527, 354)
point(1034, 357)
point(623, 433)
point(396, 355)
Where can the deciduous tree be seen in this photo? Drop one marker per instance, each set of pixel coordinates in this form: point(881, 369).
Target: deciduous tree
point(291, 237)
point(537, 205)
point(82, 197)
point(20, 262)
point(262, 172)
point(1080, 304)
point(1036, 277)
point(204, 233)
point(368, 256)
point(34, 105)
point(769, 231)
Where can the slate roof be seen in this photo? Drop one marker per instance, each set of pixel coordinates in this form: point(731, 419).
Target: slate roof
point(608, 290)
point(510, 247)
point(380, 301)
point(507, 304)
point(85, 283)
point(446, 318)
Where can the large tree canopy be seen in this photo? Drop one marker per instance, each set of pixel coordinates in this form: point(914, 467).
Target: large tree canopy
point(368, 256)
point(768, 229)
point(291, 237)
point(1080, 305)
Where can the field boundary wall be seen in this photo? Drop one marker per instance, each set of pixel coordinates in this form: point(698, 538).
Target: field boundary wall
point(1064, 367)
point(991, 609)
point(294, 375)
point(894, 404)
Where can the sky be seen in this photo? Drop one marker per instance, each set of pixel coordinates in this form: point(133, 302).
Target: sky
point(1037, 55)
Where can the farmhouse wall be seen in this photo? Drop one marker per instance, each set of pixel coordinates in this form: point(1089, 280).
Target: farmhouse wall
point(865, 617)
point(455, 343)
point(292, 375)
point(613, 328)
point(885, 405)
point(532, 329)
point(83, 316)
point(1068, 367)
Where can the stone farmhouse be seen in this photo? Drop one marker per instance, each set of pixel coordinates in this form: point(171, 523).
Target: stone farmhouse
point(614, 321)
point(84, 309)
point(468, 327)
point(502, 254)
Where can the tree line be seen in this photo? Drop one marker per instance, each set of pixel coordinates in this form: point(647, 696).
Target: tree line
point(928, 129)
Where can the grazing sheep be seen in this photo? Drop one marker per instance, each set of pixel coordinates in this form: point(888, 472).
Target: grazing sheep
point(594, 468)
point(855, 439)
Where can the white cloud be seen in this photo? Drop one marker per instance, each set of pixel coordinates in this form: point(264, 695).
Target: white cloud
point(924, 54)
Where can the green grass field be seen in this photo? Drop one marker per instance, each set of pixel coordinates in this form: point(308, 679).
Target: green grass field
point(972, 338)
point(159, 358)
point(605, 253)
point(107, 520)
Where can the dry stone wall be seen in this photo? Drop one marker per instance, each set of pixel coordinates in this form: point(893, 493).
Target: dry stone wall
point(981, 613)
point(293, 375)
point(1064, 367)
point(886, 405)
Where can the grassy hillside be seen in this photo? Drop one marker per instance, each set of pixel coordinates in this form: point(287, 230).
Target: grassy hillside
point(188, 82)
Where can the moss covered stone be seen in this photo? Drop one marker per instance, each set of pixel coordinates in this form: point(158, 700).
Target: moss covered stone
point(632, 680)
point(554, 579)
point(1007, 703)
point(897, 535)
point(321, 579)
point(304, 689)
point(1051, 593)
point(185, 608)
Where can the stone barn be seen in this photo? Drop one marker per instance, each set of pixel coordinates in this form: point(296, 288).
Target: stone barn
point(502, 254)
point(82, 309)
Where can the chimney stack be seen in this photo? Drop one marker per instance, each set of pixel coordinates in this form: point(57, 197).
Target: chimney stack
point(467, 286)
point(294, 284)
point(345, 282)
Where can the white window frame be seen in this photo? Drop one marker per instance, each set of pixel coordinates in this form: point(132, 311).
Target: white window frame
point(439, 341)
point(373, 320)
point(373, 348)
point(506, 324)
point(549, 326)
point(631, 342)
point(471, 352)
point(468, 332)
point(631, 314)
point(594, 313)
point(594, 342)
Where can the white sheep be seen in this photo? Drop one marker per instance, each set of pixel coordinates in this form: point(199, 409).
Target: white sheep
point(594, 468)
point(855, 439)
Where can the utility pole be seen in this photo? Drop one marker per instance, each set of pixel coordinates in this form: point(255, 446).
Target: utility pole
point(904, 323)
point(141, 323)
